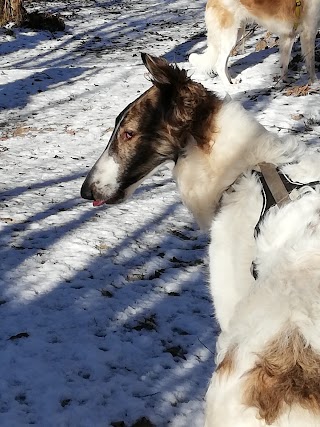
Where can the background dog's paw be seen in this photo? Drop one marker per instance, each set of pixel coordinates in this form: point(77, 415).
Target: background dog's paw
point(194, 59)
point(201, 62)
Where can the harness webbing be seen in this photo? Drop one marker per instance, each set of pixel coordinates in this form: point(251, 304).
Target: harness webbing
point(276, 189)
point(298, 14)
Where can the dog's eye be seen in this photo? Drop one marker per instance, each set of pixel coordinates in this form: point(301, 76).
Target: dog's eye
point(128, 134)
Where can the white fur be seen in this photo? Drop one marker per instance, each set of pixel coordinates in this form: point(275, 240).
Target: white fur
point(251, 313)
point(221, 39)
point(286, 294)
point(105, 174)
point(105, 170)
point(251, 143)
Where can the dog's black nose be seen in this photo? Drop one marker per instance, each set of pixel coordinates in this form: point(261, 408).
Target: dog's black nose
point(86, 192)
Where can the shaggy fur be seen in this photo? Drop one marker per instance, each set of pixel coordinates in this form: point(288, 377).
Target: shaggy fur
point(279, 380)
point(268, 352)
point(225, 20)
point(271, 324)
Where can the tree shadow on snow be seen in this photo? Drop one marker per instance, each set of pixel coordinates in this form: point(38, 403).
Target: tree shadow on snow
point(120, 31)
point(128, 334)
point(17, 93)
point(181, 52)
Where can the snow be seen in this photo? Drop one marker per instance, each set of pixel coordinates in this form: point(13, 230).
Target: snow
point(105, 313)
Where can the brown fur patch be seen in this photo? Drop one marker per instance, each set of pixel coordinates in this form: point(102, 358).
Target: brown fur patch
point(133, 123)
point(287, 373)
point(182, 108)
point(197, 107)
point(226, 367)
point(223, 15)
point(284, 10)
point(192, 106)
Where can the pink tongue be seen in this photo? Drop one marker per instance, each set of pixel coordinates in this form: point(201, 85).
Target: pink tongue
point(98, 202)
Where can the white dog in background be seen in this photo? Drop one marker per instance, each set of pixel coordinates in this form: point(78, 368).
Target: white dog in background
point(286, 18)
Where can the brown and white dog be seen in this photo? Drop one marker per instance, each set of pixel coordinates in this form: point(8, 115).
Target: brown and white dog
point(286, 18)
point(268, 352)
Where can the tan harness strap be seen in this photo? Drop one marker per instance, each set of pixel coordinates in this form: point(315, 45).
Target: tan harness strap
point(273, 181)
point(298, 14)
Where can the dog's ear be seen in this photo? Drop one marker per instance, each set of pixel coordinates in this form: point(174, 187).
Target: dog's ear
point(159, 69)
point(162, 73)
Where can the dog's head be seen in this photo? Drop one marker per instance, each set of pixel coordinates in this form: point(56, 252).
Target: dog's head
point(153, 129)
point(147, 133)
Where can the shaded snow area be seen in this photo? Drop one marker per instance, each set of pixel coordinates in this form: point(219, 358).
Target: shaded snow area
point(106, 318)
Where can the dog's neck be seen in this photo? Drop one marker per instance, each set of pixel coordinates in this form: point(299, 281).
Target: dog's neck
point(201, 180)
point(238, 146)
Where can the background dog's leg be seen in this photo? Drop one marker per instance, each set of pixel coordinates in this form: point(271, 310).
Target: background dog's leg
point(205, 61)
point(286, 44)
point(307, 47)
point(241, 37)
point(222, 35)
point(228, 39)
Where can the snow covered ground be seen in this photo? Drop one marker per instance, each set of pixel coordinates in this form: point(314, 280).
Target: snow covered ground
point(105, 315)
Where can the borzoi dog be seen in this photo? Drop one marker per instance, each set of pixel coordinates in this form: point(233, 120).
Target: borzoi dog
point(243, 182)
point(287, 18)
